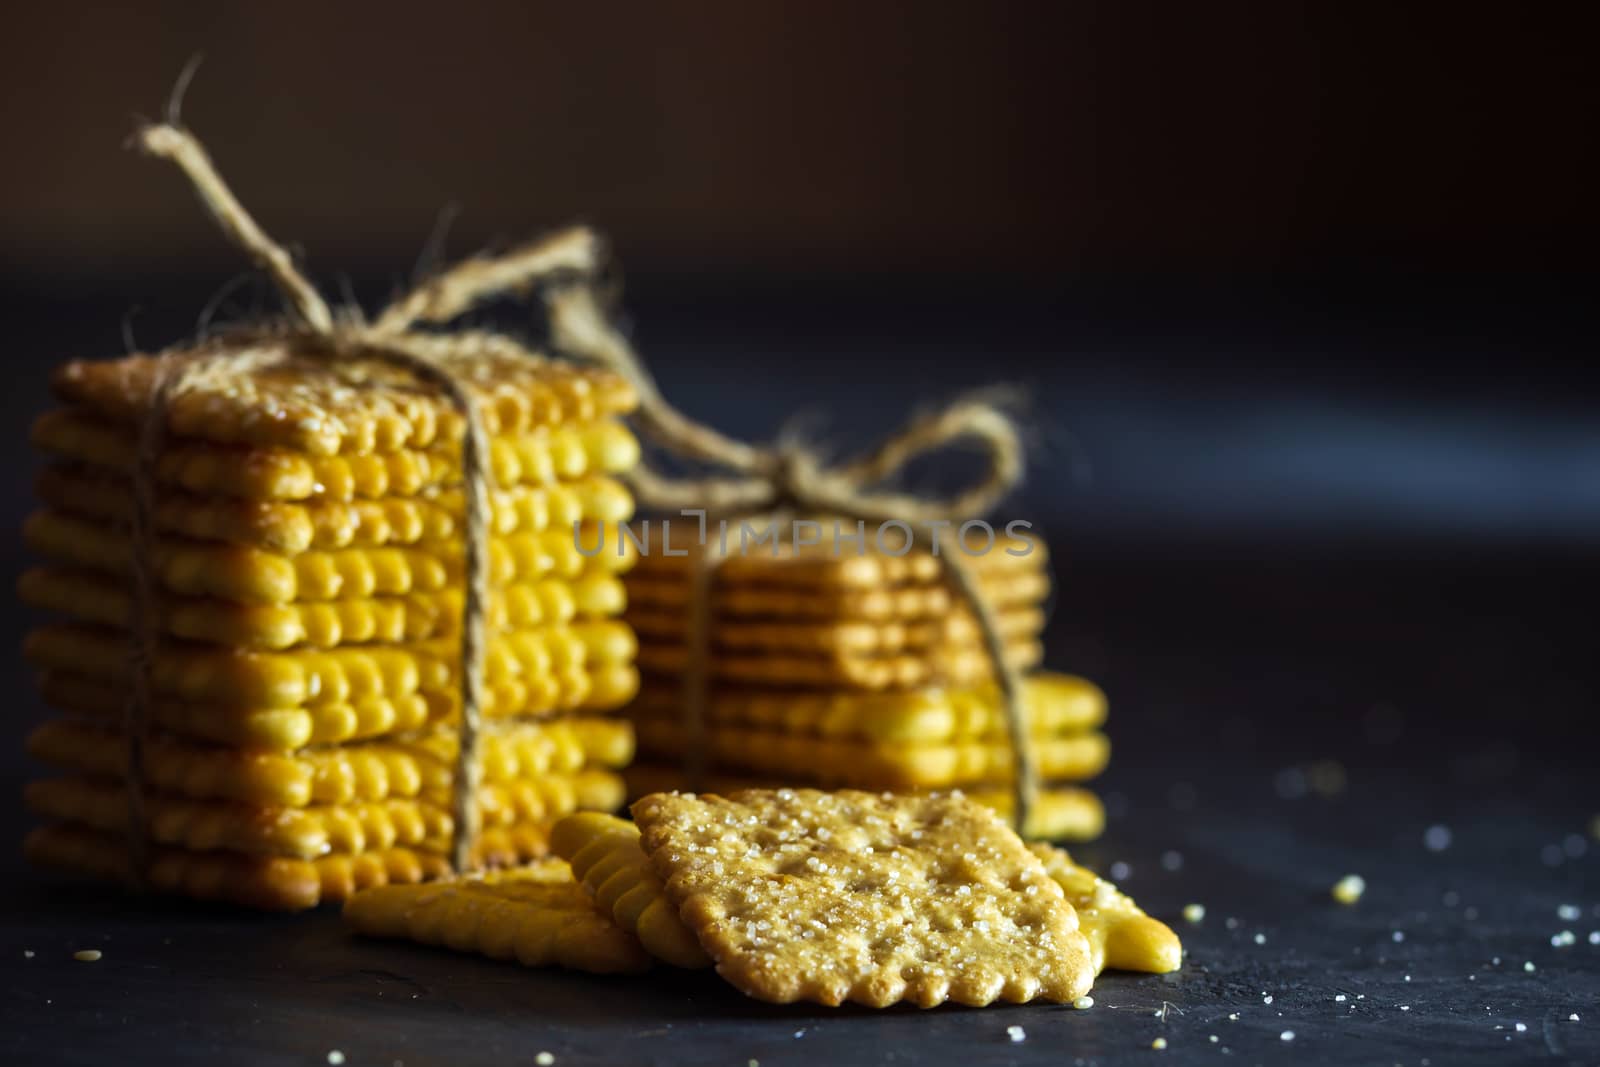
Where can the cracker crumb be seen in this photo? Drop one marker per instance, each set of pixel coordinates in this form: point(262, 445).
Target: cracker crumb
point(1405, 1007)
point(1529, 967)
point(1522, 1028)
point(1287, 1035)
point(1399, 936)
point(1084, 1002)
point(1233, 1016)
point(1212, 1039)
point(1017, 1034)
point(1261, 939)
point(1340, 998)
point(1194, 913)
point(1572, 1018)
point(85, 955)
point(1563, 939)
point(1159, 1043)
point(1348, 889)
point(1569, 913)
point(544, 1059)
point(335, 1057)
point(1266, 998)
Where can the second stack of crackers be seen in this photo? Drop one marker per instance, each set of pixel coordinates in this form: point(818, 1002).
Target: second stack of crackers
point(845, 665)
point(307, 563)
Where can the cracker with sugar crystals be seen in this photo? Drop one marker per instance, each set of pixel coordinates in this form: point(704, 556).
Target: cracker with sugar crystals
point(368, 771)
point(1054, 703)
point(296, 400)
point(270, 883)
point(1058, 813)
point(941, 665)
point(275, 474)
point(537, 916)
point(242, 726)
point(95, 598)
point(251, 575)
point(1121, 936)
point(871, 765)
point(839, 638)
point(820, 567)
point(293, 527)
point(531, 671)
point(829, 897)
point(422, 822)
point(903, 603)
point(605, 856)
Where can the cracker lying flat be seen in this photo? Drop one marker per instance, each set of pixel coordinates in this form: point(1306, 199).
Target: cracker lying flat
point(882, 765)
point(1054, 703)
point(1121, 936)
point(956, 666)
point(902, 602)
point(536, 915)
point(828, 897)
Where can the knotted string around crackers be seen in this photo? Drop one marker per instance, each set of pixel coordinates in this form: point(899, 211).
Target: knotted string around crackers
point(753, 480)
point(313, 329)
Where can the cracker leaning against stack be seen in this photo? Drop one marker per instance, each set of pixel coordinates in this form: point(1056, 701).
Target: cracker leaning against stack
point(850, 664)
point(798, 895)
point(307, 570)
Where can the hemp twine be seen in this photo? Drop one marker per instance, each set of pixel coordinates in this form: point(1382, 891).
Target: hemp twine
point(313, 330)
point(788, 479)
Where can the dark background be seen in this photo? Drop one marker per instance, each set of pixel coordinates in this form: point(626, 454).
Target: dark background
point(1303, 291)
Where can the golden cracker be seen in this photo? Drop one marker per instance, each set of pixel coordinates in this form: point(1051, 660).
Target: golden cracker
point(1054, 704)
point(326, 407)
point(828, 897)
point(524, 671)
point(423, 823)
point(89, 597)
point(871, 765)
point(541, 918)
point(1121, 936)
point(294, 527)
point(902, 603)
point(251, 575)
point(839, 637)
point(957, 667)
point(816, 566)
point(564, 454)
point(366, 771)
point(1059, 812)
point(272, 729)
point(271, 883)
point(605, 856)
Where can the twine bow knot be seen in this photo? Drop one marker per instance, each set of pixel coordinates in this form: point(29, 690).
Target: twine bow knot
point(791, 479)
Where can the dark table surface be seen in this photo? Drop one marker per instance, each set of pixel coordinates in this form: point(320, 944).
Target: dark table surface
point(1439, 689)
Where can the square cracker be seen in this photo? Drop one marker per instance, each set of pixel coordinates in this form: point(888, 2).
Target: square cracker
point(803, 895)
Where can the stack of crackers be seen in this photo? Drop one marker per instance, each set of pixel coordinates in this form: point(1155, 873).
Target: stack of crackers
point(308, 564)
point(855, 665)
point(797, 895)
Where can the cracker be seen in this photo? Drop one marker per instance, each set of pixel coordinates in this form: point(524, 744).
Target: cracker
point(873, 765)
point(367, 771)
point(95, 598)
point(605, 856)
point(326, 407)
point(1059, 812)
point(524, 671)
point(293, 527)
point(272, 883)
point(272, 729)
point(1054, 703)
point(839, 638)
point(902, 603)
point(816, 566)
point(306, 833)
point(802, 895)
point(1121, 936)
point(936, 666)
point(272, 474)
point(539, 917)
point(251, 575)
